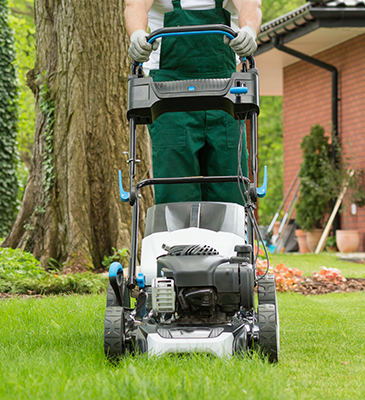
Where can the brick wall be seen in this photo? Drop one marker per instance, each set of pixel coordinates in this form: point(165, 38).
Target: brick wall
point(307, 101)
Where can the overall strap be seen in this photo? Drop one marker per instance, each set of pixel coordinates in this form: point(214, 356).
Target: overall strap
point(176, 4)
point(218, 3)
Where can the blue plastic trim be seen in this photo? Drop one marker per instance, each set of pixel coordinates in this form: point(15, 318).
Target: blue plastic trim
point(238, 90)
point(114, 268)
point(123, 194)
point(261, 191)
point(190, 33)
point(141, 281)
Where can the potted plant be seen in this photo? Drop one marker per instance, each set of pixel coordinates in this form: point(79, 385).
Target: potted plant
point(313, 204)
point(344, 177)
point(331, 245)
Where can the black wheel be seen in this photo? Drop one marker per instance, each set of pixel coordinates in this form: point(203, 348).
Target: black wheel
point(267, 290)
point(111, 300)
point(114, 333)
point(267, 295)
point(268, 321)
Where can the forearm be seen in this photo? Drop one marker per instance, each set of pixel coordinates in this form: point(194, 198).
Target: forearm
point(136, 15)
point(249, 13)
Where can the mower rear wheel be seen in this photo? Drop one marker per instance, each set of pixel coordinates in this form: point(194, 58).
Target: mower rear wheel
point(267, 290)
point(268, 321)
point(114, 333)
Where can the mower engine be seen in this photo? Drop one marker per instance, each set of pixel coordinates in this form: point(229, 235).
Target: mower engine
point(197, 284)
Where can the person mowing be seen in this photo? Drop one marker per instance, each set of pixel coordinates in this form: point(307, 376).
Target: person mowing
point(199, 142)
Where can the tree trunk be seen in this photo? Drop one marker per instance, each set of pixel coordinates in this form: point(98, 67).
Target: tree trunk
point(73, 213)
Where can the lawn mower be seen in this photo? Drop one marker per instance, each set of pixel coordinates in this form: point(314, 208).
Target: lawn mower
point(195, 291)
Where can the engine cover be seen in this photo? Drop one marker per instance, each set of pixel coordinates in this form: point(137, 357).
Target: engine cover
point(208, 283)
point(191, 271)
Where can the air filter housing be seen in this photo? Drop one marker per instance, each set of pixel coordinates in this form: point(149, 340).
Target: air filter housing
point(163, 295)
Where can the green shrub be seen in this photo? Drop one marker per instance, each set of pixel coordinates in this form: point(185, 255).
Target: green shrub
point(20, 273)
point(85, 283)
point(337, 177)
point(313, 203)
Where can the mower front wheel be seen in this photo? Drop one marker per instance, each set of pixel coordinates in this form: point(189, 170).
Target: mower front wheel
point(267, 290)
point(268, 321)
point(114, 333)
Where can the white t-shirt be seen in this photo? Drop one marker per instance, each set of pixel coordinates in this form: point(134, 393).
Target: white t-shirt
point(160, 7)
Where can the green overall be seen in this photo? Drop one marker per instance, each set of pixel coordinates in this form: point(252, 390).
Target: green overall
point(199, 142)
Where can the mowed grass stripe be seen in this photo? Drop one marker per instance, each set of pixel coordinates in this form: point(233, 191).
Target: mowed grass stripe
point(52, 348)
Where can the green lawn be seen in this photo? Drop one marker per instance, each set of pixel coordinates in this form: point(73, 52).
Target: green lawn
point(51, 348)
point(313, 262)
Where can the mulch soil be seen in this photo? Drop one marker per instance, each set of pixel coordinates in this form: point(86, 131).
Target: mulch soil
point(311, 286)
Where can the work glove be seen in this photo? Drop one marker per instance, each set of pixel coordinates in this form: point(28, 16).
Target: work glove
point(245, 42)
point(140, 49)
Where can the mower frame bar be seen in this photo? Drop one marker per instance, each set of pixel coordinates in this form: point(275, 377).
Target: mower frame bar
point(193, 179)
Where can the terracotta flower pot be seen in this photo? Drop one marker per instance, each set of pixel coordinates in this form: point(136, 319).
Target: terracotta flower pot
point(302, 241)
point(347, 241)
point(313, 238)
point(276, 228)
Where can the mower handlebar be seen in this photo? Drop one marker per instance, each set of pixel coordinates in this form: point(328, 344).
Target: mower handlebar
point(192, 30)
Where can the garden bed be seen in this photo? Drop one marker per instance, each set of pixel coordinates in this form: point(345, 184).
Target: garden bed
point(22, 276)
point(312, 286)
point(328, 280)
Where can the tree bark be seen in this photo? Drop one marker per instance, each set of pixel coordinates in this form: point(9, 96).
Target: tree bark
point(82, 45)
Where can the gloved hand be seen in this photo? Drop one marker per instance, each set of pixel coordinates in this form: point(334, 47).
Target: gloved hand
point(140, 49)
point(245, 42)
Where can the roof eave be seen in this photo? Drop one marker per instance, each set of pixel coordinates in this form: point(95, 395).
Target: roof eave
point(354, 13)
point(309, 19)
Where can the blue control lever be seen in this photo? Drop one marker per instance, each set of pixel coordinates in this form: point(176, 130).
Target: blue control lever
point(238, 90)
point(141, 280)
point(261, 191)
point(123, 194)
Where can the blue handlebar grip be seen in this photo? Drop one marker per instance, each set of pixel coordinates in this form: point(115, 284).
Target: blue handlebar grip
point(261, 191)
point(238, 90)
point(123, 194)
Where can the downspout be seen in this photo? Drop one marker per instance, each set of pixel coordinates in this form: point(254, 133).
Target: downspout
point(277, 42)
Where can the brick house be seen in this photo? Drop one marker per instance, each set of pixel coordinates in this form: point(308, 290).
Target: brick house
point(330, 93)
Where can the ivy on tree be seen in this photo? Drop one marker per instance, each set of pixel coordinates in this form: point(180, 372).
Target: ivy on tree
point(47, 106)
point(8, 124)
